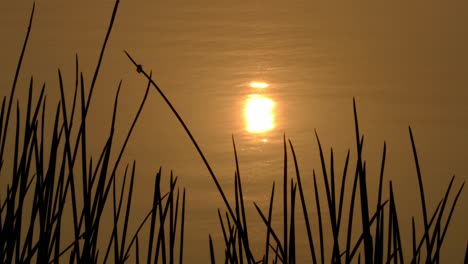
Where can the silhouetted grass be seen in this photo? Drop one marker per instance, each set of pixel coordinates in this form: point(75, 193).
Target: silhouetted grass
point(52, 177)
point(371, 246)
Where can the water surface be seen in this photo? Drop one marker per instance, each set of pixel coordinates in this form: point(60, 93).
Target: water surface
point(405, 63)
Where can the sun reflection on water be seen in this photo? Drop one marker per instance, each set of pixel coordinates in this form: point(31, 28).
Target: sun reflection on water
point(259, 114)
point(260, 85)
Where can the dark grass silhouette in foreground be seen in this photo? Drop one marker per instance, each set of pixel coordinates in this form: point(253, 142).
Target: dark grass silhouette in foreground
point(51, 177)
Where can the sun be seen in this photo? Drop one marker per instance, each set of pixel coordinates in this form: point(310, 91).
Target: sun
point(258, 113)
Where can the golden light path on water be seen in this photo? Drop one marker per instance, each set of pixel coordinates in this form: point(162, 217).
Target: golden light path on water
point(259, 112)
point(260, 85)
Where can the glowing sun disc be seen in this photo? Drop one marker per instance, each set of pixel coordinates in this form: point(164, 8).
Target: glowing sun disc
point(259, 114)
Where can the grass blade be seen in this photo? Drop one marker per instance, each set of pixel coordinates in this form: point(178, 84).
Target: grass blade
point(421, 192)
point(304, 207)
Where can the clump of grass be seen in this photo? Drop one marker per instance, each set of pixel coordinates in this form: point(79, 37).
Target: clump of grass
point(374, 245)
point(50, 179)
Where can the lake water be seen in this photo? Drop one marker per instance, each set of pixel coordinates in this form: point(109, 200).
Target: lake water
point(405, 63)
